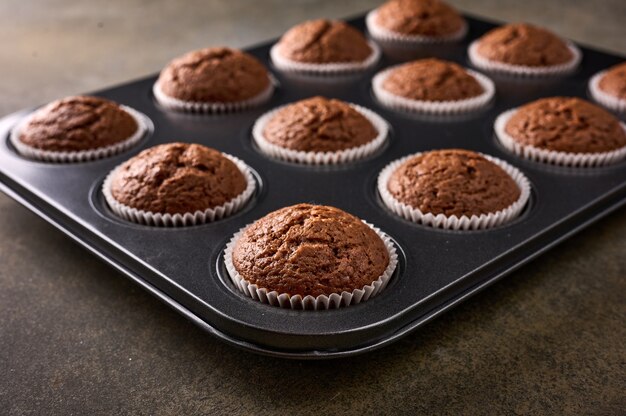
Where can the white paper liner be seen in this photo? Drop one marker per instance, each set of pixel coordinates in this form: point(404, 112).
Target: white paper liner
point(181, 220)
point(523, 70)
point(321, 302)
point(382, 34)
point(321, 158)
point(475, 222)
point(288, 65)
point(82, 155)
point(397, 102)
point(609, 101)
point(553, 156)
point(199, 107)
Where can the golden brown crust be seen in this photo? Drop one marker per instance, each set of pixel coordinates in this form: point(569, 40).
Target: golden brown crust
point(310, 250)
point(566, 124)
point(453, 182)
point(324, 41)
point(614, 81)
point(177, 178)
point(319, 124)
point(432, 80)
point(525, 45)
point(78, 123)
point(221, 75)
point(419, 17)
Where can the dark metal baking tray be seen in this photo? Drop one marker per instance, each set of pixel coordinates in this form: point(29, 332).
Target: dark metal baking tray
point(437, 270)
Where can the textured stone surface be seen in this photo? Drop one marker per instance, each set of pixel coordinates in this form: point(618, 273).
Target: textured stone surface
point(319, 124)
point(78, 338)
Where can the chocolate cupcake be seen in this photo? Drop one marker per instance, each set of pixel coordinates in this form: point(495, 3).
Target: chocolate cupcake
point(324, 47)
point(310, 257)
point(432, 86)
point(564, 131)
point(213, 80)
point(525, 50)
point(454, 189)
point(320, 131)
point(77, 129)
point(178, 184)
point(415, 22)
point(609, 87)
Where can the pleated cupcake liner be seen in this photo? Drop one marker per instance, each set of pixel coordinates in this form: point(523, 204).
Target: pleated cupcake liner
point(309, 302)
point(523, 70)
point(158, 219)
point(321, 158)
point(552, 156)
point(397, 102)
point(328, 69)
point(52, 156)
point(384, 35)
point(199, 107)
point(475, 222)
point(607, 100)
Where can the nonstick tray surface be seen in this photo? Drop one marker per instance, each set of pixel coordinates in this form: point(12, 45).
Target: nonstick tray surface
point(437, 270)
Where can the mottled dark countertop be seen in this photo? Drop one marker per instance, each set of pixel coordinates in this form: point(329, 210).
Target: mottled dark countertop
point(76, 337)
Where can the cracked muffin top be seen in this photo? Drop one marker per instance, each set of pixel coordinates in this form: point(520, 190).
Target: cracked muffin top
point(214, 75)
point(613, 82)
point(319, 124)
point(79, 123)
point(310, 250)
point(566, 124)
point(177, 178)
point(525, 45)
point(419, 17)
point(453, 182)
point(323, 42)
point(432, 80)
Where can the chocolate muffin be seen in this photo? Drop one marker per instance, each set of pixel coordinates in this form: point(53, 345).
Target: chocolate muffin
point(432, 80)
point(319, 124)
point(75, 124)
point(453, 182)
point(324, 42)
point(522, 44)
point(432, 18)
point(177, 178)
point(613, 82)
point(310, 250)
point(214, 75)
point(566, 124)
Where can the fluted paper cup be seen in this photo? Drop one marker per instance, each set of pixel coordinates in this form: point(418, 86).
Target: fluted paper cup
point(607, 100)
point(552, 156)
point(333, 68)
point(158, 219)
point(452, 222)
point(384, 35)
point(524, 70)
point(81, 155)
point(200, 107)
point(321, 302)
point(321, 158)
point(467, 105)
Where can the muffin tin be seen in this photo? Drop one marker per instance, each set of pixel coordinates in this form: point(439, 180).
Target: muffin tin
point(437, 269)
